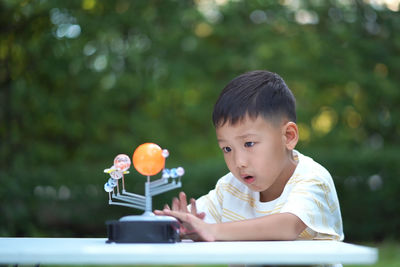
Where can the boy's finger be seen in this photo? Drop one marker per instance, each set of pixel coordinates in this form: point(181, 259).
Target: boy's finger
point(183, 202)
point(182, 216)
point(175, 204)
point(166, 207)
point(158, 212)
point(193, 208)
point(201, 215)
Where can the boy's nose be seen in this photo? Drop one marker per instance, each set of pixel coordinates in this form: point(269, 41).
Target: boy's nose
point(240, 160)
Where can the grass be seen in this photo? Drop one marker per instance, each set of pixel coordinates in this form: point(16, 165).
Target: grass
point(389, 254)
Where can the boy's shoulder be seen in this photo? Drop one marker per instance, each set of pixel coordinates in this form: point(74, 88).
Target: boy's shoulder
point(308, 168)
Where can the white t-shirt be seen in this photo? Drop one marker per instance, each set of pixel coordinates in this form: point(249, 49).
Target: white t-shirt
point(309, 194)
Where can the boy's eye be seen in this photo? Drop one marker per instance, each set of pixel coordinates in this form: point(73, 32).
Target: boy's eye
point(226, 149)
point(249, 144)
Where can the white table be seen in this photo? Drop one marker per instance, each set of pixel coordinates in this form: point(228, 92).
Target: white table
point(97, 251)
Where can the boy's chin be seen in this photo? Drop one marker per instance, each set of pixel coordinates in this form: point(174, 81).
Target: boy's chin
point(252, 187)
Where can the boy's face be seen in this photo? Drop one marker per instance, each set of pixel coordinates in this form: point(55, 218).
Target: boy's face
point(258, 153)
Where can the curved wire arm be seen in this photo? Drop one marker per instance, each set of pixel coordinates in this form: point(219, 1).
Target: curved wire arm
point(153, 188)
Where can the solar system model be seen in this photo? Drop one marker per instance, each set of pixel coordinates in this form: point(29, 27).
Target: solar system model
point(148, 159)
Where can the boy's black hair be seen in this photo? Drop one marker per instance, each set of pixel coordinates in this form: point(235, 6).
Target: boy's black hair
point(255, 93)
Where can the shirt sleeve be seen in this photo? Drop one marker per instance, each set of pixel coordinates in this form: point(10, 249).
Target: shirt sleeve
point(315, 202)
point(211, 204)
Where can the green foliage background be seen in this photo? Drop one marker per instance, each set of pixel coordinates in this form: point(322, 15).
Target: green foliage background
point(82, 81)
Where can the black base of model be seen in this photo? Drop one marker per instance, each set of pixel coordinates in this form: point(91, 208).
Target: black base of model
point(157, 231)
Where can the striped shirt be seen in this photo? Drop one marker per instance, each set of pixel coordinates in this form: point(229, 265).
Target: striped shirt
point(309, 194)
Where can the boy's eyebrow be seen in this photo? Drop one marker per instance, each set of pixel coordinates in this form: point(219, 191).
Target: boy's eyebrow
point(239, 137)
point(245, 136)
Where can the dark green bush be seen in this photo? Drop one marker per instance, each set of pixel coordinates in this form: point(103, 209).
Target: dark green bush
point(81, 81)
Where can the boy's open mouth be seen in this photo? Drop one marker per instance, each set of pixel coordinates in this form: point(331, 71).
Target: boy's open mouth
point(249, 179)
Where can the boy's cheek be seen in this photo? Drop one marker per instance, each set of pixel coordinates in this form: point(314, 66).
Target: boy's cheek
point(227, 161)
point(227, 165)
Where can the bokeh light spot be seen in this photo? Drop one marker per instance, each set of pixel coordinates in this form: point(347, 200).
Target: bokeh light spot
point(352, 117)
point(88, 4)
point(100, 63)
point(258, 16)
point(375, 182)
point(203, 30)
point(324, 122)
point(303, 16)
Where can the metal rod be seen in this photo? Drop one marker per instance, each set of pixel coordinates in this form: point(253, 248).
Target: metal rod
point(148, 195)
point(130, 200)
point(134, 195)
point(165, 188)
point(161, 186)
point(126, 205)
point(123, 182)
point(159, 182)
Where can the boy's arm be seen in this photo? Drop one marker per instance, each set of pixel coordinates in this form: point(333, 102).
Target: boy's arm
point(282, 226)
point(181, 205)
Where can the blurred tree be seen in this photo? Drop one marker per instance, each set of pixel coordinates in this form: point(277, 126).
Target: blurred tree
point(81, 81)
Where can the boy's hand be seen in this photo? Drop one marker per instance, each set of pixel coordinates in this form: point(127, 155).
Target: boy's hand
point(191, 222)
point(192, 226)
point(180, 205)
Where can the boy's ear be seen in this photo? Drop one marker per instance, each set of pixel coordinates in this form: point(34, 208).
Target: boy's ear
point(291, 134)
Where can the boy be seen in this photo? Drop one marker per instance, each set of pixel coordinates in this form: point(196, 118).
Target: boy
point(272, 192)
